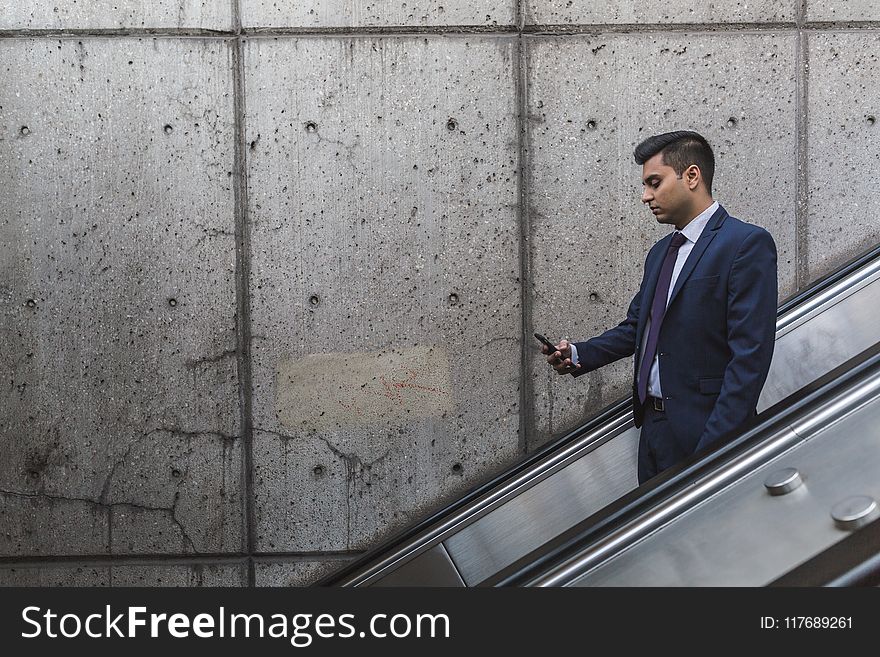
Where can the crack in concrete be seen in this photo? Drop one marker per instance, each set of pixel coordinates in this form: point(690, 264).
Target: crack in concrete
point(105, 489)
point(354, 459)
point(192, 363)
point(354, 468)
point(179, 524)
point(213, 232)
point(175, 431)
point(103, 499)
point(348, 148)
point(172, 510)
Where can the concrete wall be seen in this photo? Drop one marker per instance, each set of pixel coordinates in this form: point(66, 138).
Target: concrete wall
point(269, 270)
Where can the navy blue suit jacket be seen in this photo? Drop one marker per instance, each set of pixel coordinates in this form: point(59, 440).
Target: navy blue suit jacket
point(717, 337)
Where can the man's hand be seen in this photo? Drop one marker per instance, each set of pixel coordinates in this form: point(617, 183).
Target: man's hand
point(560, 359)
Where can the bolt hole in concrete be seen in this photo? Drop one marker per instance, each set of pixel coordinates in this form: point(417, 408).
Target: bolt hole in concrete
point(30, 303)
point(456, 468)
point(591, 125)
point(453, 299)
point(168, 129)
point(311, 126)
point(319, 470)
point(451, 124)
point(25, 131)
point(594, 296)
point(872, 119)
point(731, 122)
point(314, 300)
point(172, 302)
point(175, 473)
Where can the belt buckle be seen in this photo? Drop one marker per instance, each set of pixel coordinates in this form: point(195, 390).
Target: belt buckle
point(658, 404)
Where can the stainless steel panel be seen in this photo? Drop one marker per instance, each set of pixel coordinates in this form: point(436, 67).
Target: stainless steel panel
point(743, 536)
point(823, 338)
point(547, 509)
point(431, 568)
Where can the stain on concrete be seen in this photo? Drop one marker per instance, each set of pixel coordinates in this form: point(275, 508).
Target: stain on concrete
point(329, 391)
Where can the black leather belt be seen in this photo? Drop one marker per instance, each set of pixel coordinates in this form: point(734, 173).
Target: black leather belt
point(656, 403)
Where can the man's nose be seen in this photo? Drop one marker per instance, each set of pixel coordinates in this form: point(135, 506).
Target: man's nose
point(646, 195)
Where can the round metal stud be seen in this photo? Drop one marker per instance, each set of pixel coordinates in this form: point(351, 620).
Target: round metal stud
point(855, 512)
point(783, 481)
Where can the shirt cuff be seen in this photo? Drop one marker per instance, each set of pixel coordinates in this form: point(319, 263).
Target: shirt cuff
point(574, 355)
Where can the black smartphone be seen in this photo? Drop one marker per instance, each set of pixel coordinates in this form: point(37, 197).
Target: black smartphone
point(546, 342)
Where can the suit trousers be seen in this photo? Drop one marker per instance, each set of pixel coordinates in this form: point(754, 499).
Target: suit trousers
point(659, 448)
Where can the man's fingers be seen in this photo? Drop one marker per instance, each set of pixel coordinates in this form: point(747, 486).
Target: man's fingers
point(566, 367)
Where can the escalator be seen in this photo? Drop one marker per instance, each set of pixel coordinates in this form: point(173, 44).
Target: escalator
point(792, 502)
point(522, 524)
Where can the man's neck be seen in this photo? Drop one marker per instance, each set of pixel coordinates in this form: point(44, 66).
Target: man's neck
point(699, 208)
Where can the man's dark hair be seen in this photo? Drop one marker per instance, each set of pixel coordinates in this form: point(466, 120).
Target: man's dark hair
point(680, 149)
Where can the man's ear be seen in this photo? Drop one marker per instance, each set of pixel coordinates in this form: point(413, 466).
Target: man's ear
point(693, 176)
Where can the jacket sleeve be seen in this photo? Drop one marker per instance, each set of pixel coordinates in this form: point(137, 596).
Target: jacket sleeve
point(614, 344)
point(751, 335)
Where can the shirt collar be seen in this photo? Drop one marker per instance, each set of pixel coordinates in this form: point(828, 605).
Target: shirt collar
point(695, 228)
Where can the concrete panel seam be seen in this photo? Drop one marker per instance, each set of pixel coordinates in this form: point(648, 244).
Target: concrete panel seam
point(840, 26)
point(114, 32)
point(242, 288)
point(287, 557)
point(99, 560)
point(381, 30)
point(236, 16)
point(593, 29)
point(526, 412)
point(801, 246)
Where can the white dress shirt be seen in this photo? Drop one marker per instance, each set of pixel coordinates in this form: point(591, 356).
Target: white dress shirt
point(692, 233)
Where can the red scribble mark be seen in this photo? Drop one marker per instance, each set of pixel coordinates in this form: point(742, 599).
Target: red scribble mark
point(351, 408)
point(392, 390)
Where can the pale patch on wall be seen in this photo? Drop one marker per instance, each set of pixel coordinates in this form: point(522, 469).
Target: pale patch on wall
point(327, 391)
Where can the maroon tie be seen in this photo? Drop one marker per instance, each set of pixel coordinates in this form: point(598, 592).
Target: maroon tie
point(658, 309)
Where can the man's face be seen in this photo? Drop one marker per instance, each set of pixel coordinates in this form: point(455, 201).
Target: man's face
point(665, 192)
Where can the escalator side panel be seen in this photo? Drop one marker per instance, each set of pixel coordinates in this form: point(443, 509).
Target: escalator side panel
point(431, 568)
point(743, 536)
point(546, 509)
point(821, 342)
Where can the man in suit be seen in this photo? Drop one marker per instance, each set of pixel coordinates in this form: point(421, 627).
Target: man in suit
point(702, 325)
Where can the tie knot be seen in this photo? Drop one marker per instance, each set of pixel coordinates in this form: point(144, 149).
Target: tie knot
point(678, 239)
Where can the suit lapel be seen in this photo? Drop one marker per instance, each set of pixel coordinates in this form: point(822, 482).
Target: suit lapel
point(700, 247)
